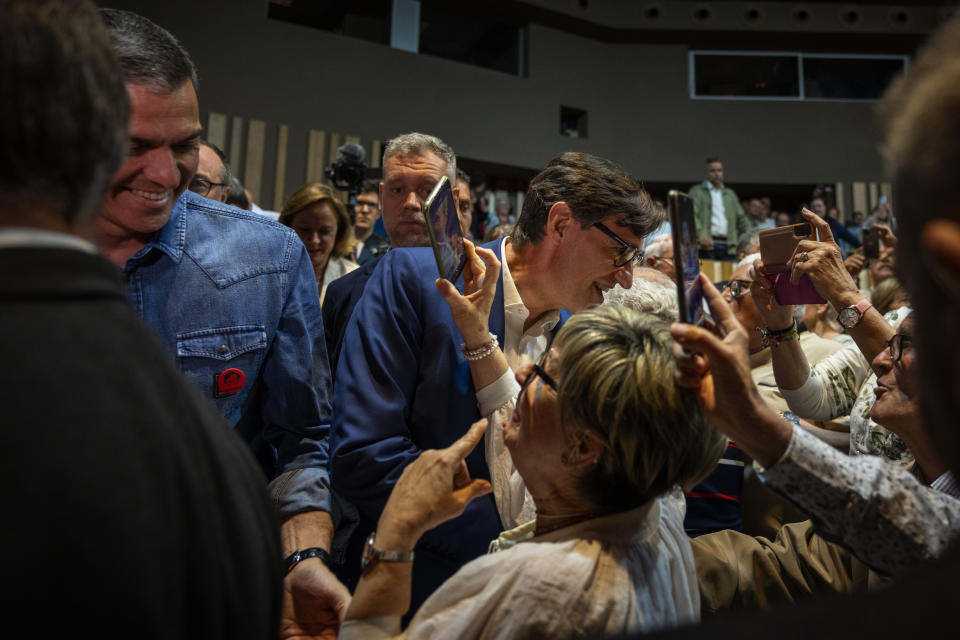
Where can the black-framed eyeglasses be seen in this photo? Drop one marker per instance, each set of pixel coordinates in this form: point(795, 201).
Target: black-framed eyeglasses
point(898, 344)
point(202, 186)
point(737, 287)
point(628, 253)
point(538, 370)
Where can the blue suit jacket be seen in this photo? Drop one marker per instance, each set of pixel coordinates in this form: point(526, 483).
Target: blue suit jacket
point(403, 386)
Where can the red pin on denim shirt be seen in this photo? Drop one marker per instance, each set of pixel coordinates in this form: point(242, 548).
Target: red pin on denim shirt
point(229, 381)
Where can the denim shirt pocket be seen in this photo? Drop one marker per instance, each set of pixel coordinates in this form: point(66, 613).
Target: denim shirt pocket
point(206, 355)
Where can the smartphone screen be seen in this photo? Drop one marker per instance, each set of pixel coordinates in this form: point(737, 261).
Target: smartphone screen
point(443, 227)
point(871, 243)
point(686, 258)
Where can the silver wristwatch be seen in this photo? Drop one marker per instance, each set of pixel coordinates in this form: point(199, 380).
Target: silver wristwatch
point(849, 317)
point(372, 555)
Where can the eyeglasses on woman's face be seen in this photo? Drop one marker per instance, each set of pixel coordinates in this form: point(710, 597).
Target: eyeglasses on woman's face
point(737, 287)
point(898, 344)
point(538, 370)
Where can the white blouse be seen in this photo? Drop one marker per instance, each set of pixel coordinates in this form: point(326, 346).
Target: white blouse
point(625, 572)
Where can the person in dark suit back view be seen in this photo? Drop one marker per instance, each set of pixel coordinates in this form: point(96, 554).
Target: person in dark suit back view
point(130, 507)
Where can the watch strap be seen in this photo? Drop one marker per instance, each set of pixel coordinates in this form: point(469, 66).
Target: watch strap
point(859, 309)
point(372, 555)
point(297, 557)
point(393, 556)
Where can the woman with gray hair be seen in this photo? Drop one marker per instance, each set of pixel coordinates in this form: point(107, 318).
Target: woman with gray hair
point(601, 435)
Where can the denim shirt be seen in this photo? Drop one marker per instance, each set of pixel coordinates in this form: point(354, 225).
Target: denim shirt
point(227, 290)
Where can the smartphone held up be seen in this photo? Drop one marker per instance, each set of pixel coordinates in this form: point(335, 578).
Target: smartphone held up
point(777, 246)
point(686, 258)
point(443, 228)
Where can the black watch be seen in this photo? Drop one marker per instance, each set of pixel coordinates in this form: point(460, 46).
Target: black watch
point(297, 557)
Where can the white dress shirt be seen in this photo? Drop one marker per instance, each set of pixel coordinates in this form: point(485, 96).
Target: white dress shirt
point(718, 217)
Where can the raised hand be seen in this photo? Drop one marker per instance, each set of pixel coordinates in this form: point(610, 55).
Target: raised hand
point(822, 261)
point(434, 488)
point(855, 263)
point(725, 389)
point(775, 316)
point(471, 311)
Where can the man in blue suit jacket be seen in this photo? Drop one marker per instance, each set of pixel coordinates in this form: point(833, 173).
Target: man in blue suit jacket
point(403, 384)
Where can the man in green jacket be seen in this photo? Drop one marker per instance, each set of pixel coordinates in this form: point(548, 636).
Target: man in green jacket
point(720, 218)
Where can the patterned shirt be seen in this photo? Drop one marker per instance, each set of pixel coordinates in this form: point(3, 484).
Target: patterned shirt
point(842, 384)
point(879, 511)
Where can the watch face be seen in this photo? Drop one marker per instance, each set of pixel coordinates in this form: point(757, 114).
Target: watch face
point(369, 552)
point(848, 317)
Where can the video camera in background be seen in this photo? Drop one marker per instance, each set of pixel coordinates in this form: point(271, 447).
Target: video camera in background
point(349, 171)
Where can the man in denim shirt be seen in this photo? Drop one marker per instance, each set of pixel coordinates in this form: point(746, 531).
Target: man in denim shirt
point(233, 298)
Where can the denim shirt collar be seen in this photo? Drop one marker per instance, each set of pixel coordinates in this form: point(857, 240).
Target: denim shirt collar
point(170, 238)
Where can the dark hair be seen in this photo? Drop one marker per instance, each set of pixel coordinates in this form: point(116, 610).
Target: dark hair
point(463, 176)
point(594, 188)
point(149, 54)
point(370, 186)
point(226, 174)
point(64, 113)
point(711, 159)
point(237, 197)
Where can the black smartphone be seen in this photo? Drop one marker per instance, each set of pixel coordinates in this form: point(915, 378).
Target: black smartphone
point(443, 227)
point(871, 243)
point(685, 257)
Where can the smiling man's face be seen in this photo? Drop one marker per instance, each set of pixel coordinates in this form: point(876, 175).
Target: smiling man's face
point(585, 265)
point(161, 161)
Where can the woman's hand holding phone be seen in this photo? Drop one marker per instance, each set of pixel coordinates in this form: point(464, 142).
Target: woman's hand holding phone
point(471, 310)
point(775, 316)
point(716, 363)
point(855, 263)
point(718, 368)
point(823, 261)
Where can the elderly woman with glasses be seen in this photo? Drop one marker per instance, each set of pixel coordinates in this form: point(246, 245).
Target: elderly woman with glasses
point(601, 436)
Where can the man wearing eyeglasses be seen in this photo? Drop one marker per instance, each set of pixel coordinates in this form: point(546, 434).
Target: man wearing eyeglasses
point(578, 235)
point(366, 212)
point(212, 179)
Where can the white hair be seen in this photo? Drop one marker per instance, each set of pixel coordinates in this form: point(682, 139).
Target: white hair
point(659, 245)
point(652, 292)
point(750, 259)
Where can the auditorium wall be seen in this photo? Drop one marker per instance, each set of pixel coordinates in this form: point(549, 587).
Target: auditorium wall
point(273, 82)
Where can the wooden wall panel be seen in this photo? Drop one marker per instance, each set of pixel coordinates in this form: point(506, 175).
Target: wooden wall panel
point(316, 154)
point(860, 202)
point(235, 152)
point(253, 171)
point(280, 173)
point(217, 129)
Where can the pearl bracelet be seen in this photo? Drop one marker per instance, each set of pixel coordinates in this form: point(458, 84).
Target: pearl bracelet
point(483, 351)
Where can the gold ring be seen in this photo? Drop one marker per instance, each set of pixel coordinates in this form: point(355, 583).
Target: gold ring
point(804, 257)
